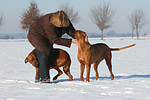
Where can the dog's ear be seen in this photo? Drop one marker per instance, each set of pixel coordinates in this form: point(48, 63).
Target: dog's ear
point(26, 60)
point(83, 33)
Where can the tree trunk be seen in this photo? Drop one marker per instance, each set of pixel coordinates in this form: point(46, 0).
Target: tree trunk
point(137, 34)
point(102, 34)
point(132, 34)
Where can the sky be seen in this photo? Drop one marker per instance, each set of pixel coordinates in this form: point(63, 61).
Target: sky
point(12, 9)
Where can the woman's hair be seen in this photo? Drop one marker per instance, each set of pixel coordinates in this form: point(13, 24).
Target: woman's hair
point(60, 19)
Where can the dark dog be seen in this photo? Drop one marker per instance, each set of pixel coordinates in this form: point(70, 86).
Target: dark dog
point(61, 59)
point(89, 54)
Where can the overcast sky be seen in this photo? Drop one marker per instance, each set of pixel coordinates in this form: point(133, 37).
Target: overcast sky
point(12, 10)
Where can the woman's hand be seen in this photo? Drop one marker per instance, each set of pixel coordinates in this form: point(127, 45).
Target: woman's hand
point(75, 42)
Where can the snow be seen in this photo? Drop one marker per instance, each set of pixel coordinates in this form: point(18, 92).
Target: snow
point(131, 68)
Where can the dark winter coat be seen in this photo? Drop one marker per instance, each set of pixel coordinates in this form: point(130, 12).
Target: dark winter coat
point(42, 34)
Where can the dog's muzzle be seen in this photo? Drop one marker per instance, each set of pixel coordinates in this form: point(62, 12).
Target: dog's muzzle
point(37, 64)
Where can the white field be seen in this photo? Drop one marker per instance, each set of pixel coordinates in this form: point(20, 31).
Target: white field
point(131, 68)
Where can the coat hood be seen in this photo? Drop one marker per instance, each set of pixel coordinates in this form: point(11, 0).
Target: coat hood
point(60, 19)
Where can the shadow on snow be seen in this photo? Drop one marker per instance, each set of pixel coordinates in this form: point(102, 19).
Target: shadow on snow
point(102, 78)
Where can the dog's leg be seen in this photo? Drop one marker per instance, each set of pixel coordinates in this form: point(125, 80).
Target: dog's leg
point(82, 67)
point(36, 73)
point(88, 66)
point(59, 73)
point(96, 66)
point(108, 62)
point(66, 69)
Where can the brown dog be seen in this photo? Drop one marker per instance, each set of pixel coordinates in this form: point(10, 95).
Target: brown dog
point(89, 54)
point(61, 59)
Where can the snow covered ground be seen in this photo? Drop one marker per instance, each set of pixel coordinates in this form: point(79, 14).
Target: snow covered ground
point(131, 68)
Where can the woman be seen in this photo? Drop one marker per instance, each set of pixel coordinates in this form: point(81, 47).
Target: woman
point(45, 32)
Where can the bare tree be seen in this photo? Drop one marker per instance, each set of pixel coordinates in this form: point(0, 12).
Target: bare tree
point(1, 19)
point(29, 16)
point(132, 21)
point(137, 20)
point(102, 16)
point(72, 15)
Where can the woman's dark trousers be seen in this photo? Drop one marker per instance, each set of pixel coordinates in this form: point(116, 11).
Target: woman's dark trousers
point(44, 64)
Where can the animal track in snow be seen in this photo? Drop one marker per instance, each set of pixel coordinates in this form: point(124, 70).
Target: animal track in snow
point(33, 88)
point(110, 93)
point(15, 81)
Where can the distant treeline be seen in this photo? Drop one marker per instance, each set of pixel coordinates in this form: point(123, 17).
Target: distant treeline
point(13, 36)
point(90, 35)
point(98, 35)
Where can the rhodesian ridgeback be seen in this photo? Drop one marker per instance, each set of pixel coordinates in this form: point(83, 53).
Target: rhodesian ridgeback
point(89, 54)
point(60, 59)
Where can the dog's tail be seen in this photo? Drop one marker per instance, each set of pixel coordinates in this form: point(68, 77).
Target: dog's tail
point(117, 49)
